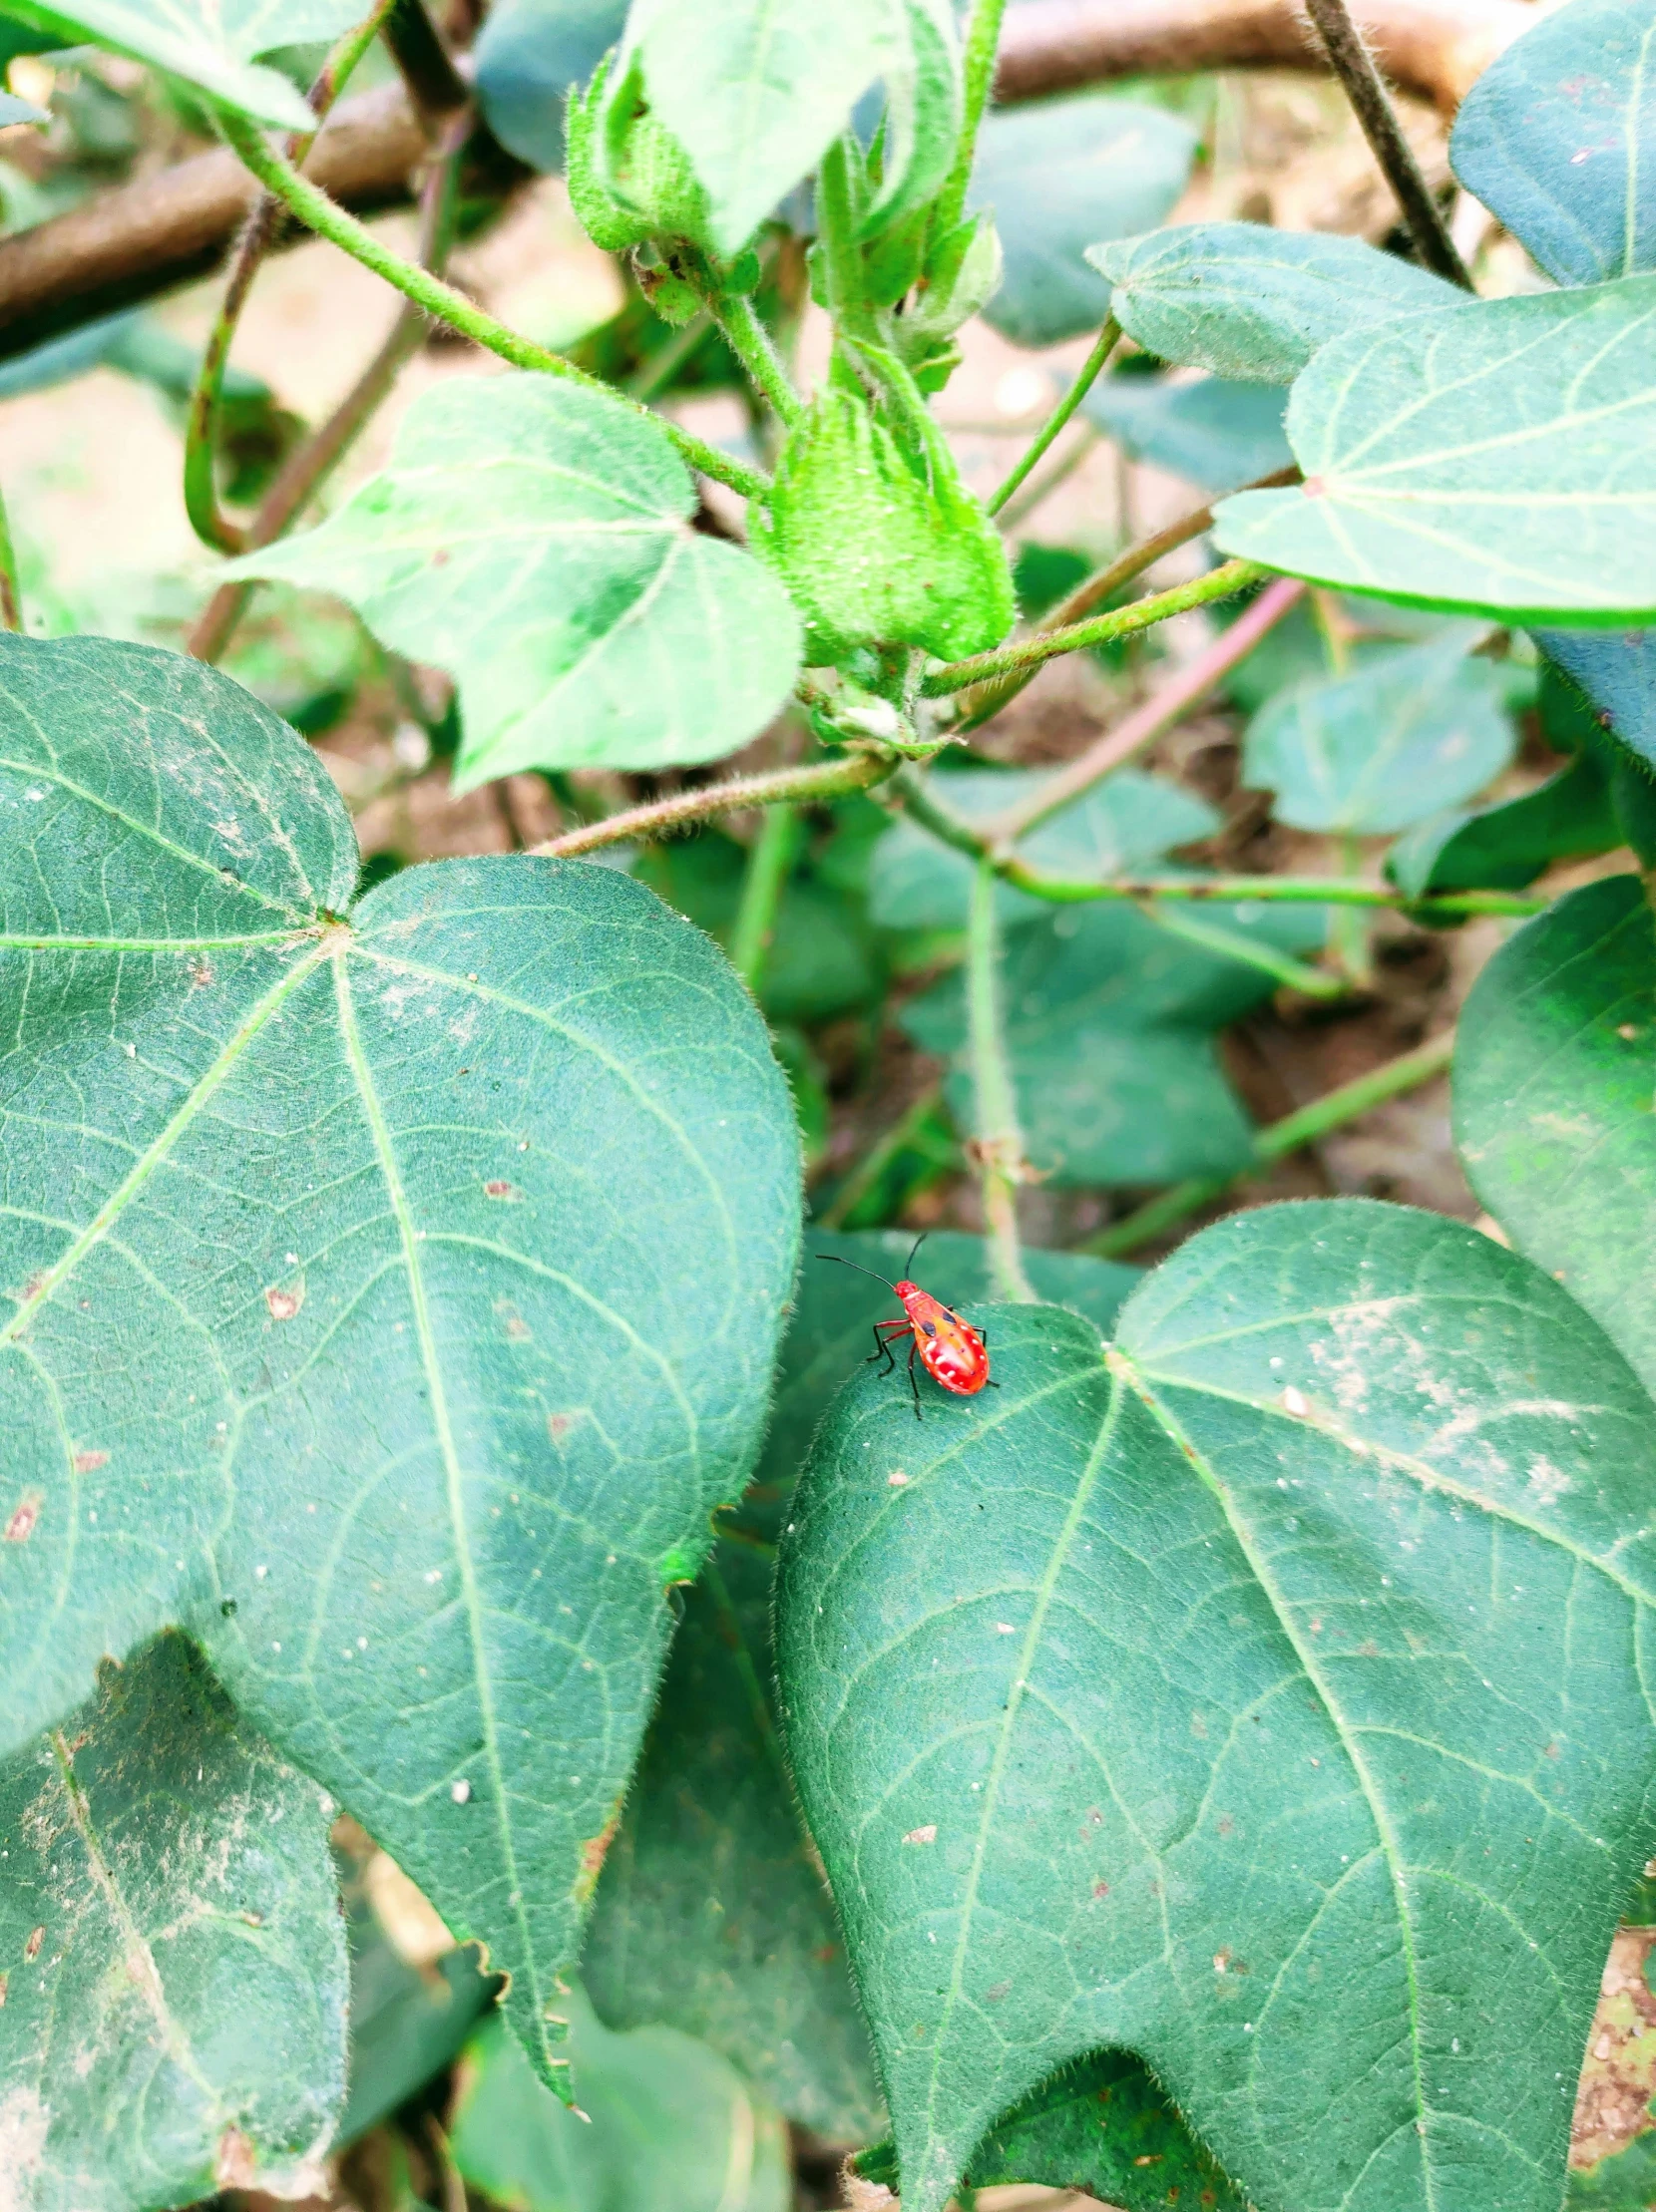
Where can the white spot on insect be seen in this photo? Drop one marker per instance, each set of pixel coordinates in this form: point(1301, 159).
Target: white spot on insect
point(1295, 1402)
point(461, 1792)
point(928, 1834)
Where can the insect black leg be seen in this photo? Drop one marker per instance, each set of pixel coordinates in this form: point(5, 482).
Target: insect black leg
point(914, 1380)
point(881, 1344)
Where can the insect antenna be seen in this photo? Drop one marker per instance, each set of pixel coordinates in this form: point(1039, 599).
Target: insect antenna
point(839, 1262)
point(912, 1248)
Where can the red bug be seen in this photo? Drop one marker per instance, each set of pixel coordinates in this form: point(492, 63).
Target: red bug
point(951, 1351)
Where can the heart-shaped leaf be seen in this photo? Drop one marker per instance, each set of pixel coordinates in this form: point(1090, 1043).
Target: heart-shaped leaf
point(1123, 824)
point(393, 1287)
point(212, 44)
point(1215, 433)
point(1555, 138)
point(534, 539)
point(171, 1960)
point(1251, 302)
point(1058, 175)
point(1265, 1695)
point(1409, 732)
point(754, 91)
point(1111, 1032)
point(1554, 1067)
point(1496, 459)
point(664, 2125)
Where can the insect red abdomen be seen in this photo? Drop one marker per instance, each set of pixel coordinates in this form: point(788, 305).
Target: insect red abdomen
point(951, 1351)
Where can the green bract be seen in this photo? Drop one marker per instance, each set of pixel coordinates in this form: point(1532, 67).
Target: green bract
point(1286, 1654)
point(1497, 459)
point(877, 547)
point(629, 179)
point(534, 539)
point(392, 1283)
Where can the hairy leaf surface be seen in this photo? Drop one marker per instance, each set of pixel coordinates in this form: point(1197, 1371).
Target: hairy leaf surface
point(390, 1298)
point(1266, 1695)
point(534, 539)
point(212, 44)
point(1497, 459)
point(1058, 175)
point(1369, 753)
point(171, 1960)
point(755, 90)
point(1617, 675)
point(1554, 1067)
point(1556, 136)
point(1254, 304)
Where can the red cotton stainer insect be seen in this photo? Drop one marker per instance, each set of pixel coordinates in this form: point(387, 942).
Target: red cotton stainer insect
point(951, 1351)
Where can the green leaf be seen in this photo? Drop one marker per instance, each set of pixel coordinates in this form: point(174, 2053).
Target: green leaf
point(880, 547)
point(1497, 459)
point(174, 1984)
point(755, 89)
point(212, 44)
point(1263, 1696)
point(1617, 674)
point(1412, 731)
point(1555, 137)
point(1101, 2125)
point(1505, 846)
point(1123, 824)
point(1555, 1067)
point(1623, 2182)
point(390, 1298)
point(1058, 175)
point(665, 2126)
point(1111, 1021)
point(529, 54)
point(1215, 433)
point(534, 539)
point(1254, 304)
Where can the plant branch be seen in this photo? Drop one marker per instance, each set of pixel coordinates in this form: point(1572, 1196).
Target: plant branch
point(331, 221)
point(305, 470)
point(769, 865)
point(750, 342)
point(1323, 1115)
point(1255, 953)
point(1089, 373)
point(1222, 583)
point(828, 778)
point(997, 1148)
point(1354, 65)
point(983, 40)
point(435, 85)
point(201, 443)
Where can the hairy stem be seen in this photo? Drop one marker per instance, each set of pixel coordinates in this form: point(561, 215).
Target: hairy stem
point(1323, 1115)
point(305, 470)
point(1092, 590)
point(769, 865)
point(11, 597)
point(1089, 375)
point(869, 1169)
point(750, 342)
point(982, 37)
point(1354, 65)
point(999, 1146)
point(828, 778)
point(1155, 714)
point(1222, 583)
point(329, 220)
point(201, 491)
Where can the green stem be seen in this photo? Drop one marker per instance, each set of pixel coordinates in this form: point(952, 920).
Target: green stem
point(769, 865)
point(1088, 376)
point(662, 366)
point(982, 37)
point(750, 342)
point(200, 444)
point(874, 1162)
point(1323, 1115)
point(829, 778)
point(1020, 510)
point(1235, 944)
point(329, 220)
point(1349, 937)
point(11, 597)
point(1000, 1144)
point(1222, 583)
